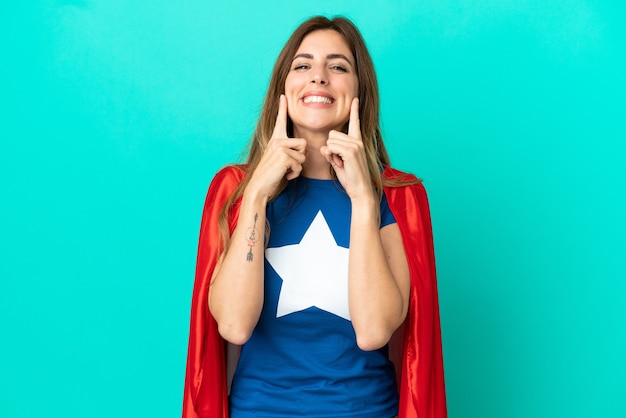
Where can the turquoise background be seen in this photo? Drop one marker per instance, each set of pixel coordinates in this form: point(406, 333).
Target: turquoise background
point(116, 114)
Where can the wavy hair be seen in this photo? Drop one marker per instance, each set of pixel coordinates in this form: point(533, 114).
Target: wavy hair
point(369, 113)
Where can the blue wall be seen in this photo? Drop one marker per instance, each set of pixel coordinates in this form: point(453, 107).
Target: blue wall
point(116, 114)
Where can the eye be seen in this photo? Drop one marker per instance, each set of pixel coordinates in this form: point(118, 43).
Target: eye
point(300, 67)
point(339, 68)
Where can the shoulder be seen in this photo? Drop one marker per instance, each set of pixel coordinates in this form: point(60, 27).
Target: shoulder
point(228, 177)
point(402, 182)
point(224, 183)
point(408, 202)
point(230, 173)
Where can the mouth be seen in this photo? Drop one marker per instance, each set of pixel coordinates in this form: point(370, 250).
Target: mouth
point(318, 97)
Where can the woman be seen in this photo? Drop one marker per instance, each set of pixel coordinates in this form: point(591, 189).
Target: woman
point(302, 257)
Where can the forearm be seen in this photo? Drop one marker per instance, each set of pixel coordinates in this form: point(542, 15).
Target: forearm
point(377, 305)
point(236, 295)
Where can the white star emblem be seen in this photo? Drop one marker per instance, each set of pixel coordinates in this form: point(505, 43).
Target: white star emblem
point(314, 272)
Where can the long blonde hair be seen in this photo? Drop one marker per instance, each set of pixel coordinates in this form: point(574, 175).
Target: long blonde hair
point(369, 105)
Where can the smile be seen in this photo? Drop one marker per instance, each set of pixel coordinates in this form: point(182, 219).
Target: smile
point(318, 99)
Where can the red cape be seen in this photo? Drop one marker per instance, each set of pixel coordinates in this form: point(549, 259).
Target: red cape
point(415, 348)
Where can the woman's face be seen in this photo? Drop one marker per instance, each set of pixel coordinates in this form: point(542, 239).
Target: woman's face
point(321, 83)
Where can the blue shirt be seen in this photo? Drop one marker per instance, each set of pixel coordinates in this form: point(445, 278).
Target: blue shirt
point(302, 358)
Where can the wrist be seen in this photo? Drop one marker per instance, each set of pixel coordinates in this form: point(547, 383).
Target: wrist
point(254, 197)
point(365, 208)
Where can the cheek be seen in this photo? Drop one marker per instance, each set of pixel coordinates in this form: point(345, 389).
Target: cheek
point(293, 81)
point(291, 91)
point(355, 88)
point(351, 88)
point(292, 101)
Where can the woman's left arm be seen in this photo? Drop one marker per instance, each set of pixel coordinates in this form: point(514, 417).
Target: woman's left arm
point(378, 277)
point(378, 273)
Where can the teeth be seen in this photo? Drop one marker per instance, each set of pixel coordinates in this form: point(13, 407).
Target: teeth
point(317, 99)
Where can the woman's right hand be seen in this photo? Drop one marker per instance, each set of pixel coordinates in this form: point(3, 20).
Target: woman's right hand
point(283, 157)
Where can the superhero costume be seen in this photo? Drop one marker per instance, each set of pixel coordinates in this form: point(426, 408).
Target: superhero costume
point(415, 347)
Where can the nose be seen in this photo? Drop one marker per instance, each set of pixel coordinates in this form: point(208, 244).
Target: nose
point(319, 77)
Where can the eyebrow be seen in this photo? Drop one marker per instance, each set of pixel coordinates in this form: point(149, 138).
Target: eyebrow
point(328, 57)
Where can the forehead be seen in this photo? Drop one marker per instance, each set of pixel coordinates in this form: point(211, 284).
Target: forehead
point(324, 42)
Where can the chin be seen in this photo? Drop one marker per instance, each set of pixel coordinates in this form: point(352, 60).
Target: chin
point(322, 126)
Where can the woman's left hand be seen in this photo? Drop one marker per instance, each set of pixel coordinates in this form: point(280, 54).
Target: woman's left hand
point(346, 154)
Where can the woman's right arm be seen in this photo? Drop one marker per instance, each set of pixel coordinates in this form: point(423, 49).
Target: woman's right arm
point(236, 295)
point(236, 288)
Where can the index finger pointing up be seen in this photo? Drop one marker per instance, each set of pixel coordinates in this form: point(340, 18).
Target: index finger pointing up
point(280, 128)
point(354, 125)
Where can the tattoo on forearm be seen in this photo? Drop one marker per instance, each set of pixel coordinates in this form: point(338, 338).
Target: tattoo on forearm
point(252, 236)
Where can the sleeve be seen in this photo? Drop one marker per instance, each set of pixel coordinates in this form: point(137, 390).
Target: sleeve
point(205, 394)
point(386, 216)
